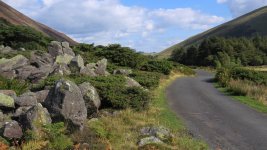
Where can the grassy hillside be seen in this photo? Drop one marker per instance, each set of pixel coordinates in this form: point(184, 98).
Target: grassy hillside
point(251, 24)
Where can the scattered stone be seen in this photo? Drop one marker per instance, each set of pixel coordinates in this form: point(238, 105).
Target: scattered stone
point(149, 140)
point(13, 63)
point(123, 71)
point(6, 101)
point(161, 133)
point(76, 64)
point(13, 130)
point(131, 82)
point(27, 99)
point(91, 98)
point(55, 49)
point(66, 100)
point(10, 93)
point(101, 67)
point(41, 95)
point(64, 59)
point(35, 117)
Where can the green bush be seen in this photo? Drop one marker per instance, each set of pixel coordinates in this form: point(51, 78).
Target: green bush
point(16, 85)
point(149, 80)
point(223, 76)
point(183, 69)
point(251, 75)
point(56, 134)
point(161, 66)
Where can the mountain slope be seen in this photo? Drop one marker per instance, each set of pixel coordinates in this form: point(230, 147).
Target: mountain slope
point(17, 18)
point(247, 25)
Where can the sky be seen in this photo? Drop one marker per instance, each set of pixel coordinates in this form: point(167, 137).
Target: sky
point(144, 25)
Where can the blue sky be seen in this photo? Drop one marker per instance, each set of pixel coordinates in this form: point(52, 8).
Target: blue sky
point(144, 25)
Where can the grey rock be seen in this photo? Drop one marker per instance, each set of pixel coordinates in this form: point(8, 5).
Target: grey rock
point(22, 49)
point(40, 60)
point(101, 67)
point(123, 71)
point(27, 99)
point(131, 82)
point(40, 73)
point(66, 49)
point(55, 49)
point(66, 100)
point(6, 50)
point(35, 117)
point(21, 111)
point(8, 74)
point(13, 63)
point(149, 140)
point(161, 133)
point(41, 95)
point(65, 44)
point(89, 70)
point(10, 93)
point(64, 59)
point(24, 72)
point(61, 69)
point(12, 130)
point(91, 98)
point(76, 64)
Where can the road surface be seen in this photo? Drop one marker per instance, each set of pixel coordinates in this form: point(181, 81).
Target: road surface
point(210, 115)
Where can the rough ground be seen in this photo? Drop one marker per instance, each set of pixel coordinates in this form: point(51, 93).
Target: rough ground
point(221, 121)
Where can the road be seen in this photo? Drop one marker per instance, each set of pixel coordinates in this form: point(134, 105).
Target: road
point(219, 120)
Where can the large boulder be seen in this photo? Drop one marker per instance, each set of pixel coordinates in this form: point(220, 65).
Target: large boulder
point(101, 67)
point(55, 49)
point(40, 60)
point(41, 96)
point(13, 63)
point(40, 73)
point(13, 130)
point(34, 117)
point(131, 82)
point(61, 69)
point(66, 49)
point(27, 99)
point(6, 101)
point(76, 64)
point(91, 98)
point(66, 100)
point(89, 70)
point(24, 72)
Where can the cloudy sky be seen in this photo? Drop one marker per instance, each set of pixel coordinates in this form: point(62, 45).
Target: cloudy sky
point(145, 25)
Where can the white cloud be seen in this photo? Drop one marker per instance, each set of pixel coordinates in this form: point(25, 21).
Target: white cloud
point(109, 21)
point(240, 7)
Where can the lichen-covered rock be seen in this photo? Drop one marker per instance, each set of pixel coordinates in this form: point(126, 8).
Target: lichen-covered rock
point(66, 100)
point(27, 99)
point(6, 101)
point(131, 82)
point(123, 71)
point(149, 140)
point(161, 133)
point(35, 117)
point(91, 98)
point(13, 63)
point(55, 49)
point(76, 64)
point(12, 130)
point(10, 93)
point(101, 67)
point(64, 59)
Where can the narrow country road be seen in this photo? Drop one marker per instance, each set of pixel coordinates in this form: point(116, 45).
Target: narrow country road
point(222, 122)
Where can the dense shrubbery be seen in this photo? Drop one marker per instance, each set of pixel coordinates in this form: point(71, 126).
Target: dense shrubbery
point(219, 51)
point(22, 36)
point(148, 80)
point(161, 66)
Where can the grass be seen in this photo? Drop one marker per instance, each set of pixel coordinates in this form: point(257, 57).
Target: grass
point(257, 105)
point(122, 131)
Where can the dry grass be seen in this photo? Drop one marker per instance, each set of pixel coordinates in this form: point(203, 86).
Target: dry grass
point(258, 68)
point(250, 89)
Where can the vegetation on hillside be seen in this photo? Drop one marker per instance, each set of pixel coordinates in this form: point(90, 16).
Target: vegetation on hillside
point(218, 51)
point(17, 36)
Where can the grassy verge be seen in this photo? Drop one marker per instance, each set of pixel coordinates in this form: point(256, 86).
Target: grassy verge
point(257, 105)
point(121, 130)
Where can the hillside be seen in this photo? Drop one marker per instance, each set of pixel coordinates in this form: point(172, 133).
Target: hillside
point(17, 18)
point(253, 23)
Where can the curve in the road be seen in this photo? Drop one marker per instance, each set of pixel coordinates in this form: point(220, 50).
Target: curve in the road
point(216, 118)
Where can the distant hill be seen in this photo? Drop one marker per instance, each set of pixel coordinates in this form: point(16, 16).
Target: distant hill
point(15, 17)
point(248, 25)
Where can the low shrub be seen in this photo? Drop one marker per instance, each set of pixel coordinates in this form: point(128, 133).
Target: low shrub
point(223, 76)
point(149, 80)
point(56, 135)
point(161, 66)
point(247, 74)
point(183, 69)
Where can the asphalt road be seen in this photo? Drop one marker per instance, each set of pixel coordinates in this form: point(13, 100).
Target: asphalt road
point(221, 121)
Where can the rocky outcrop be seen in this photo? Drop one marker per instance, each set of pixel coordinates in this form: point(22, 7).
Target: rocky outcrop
point(56, 48)
point(101, 67)
point(12, 130)
point(96, 69)
point(91, 98)
point(41, 60)
point(66, 101)
point(76, 64)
